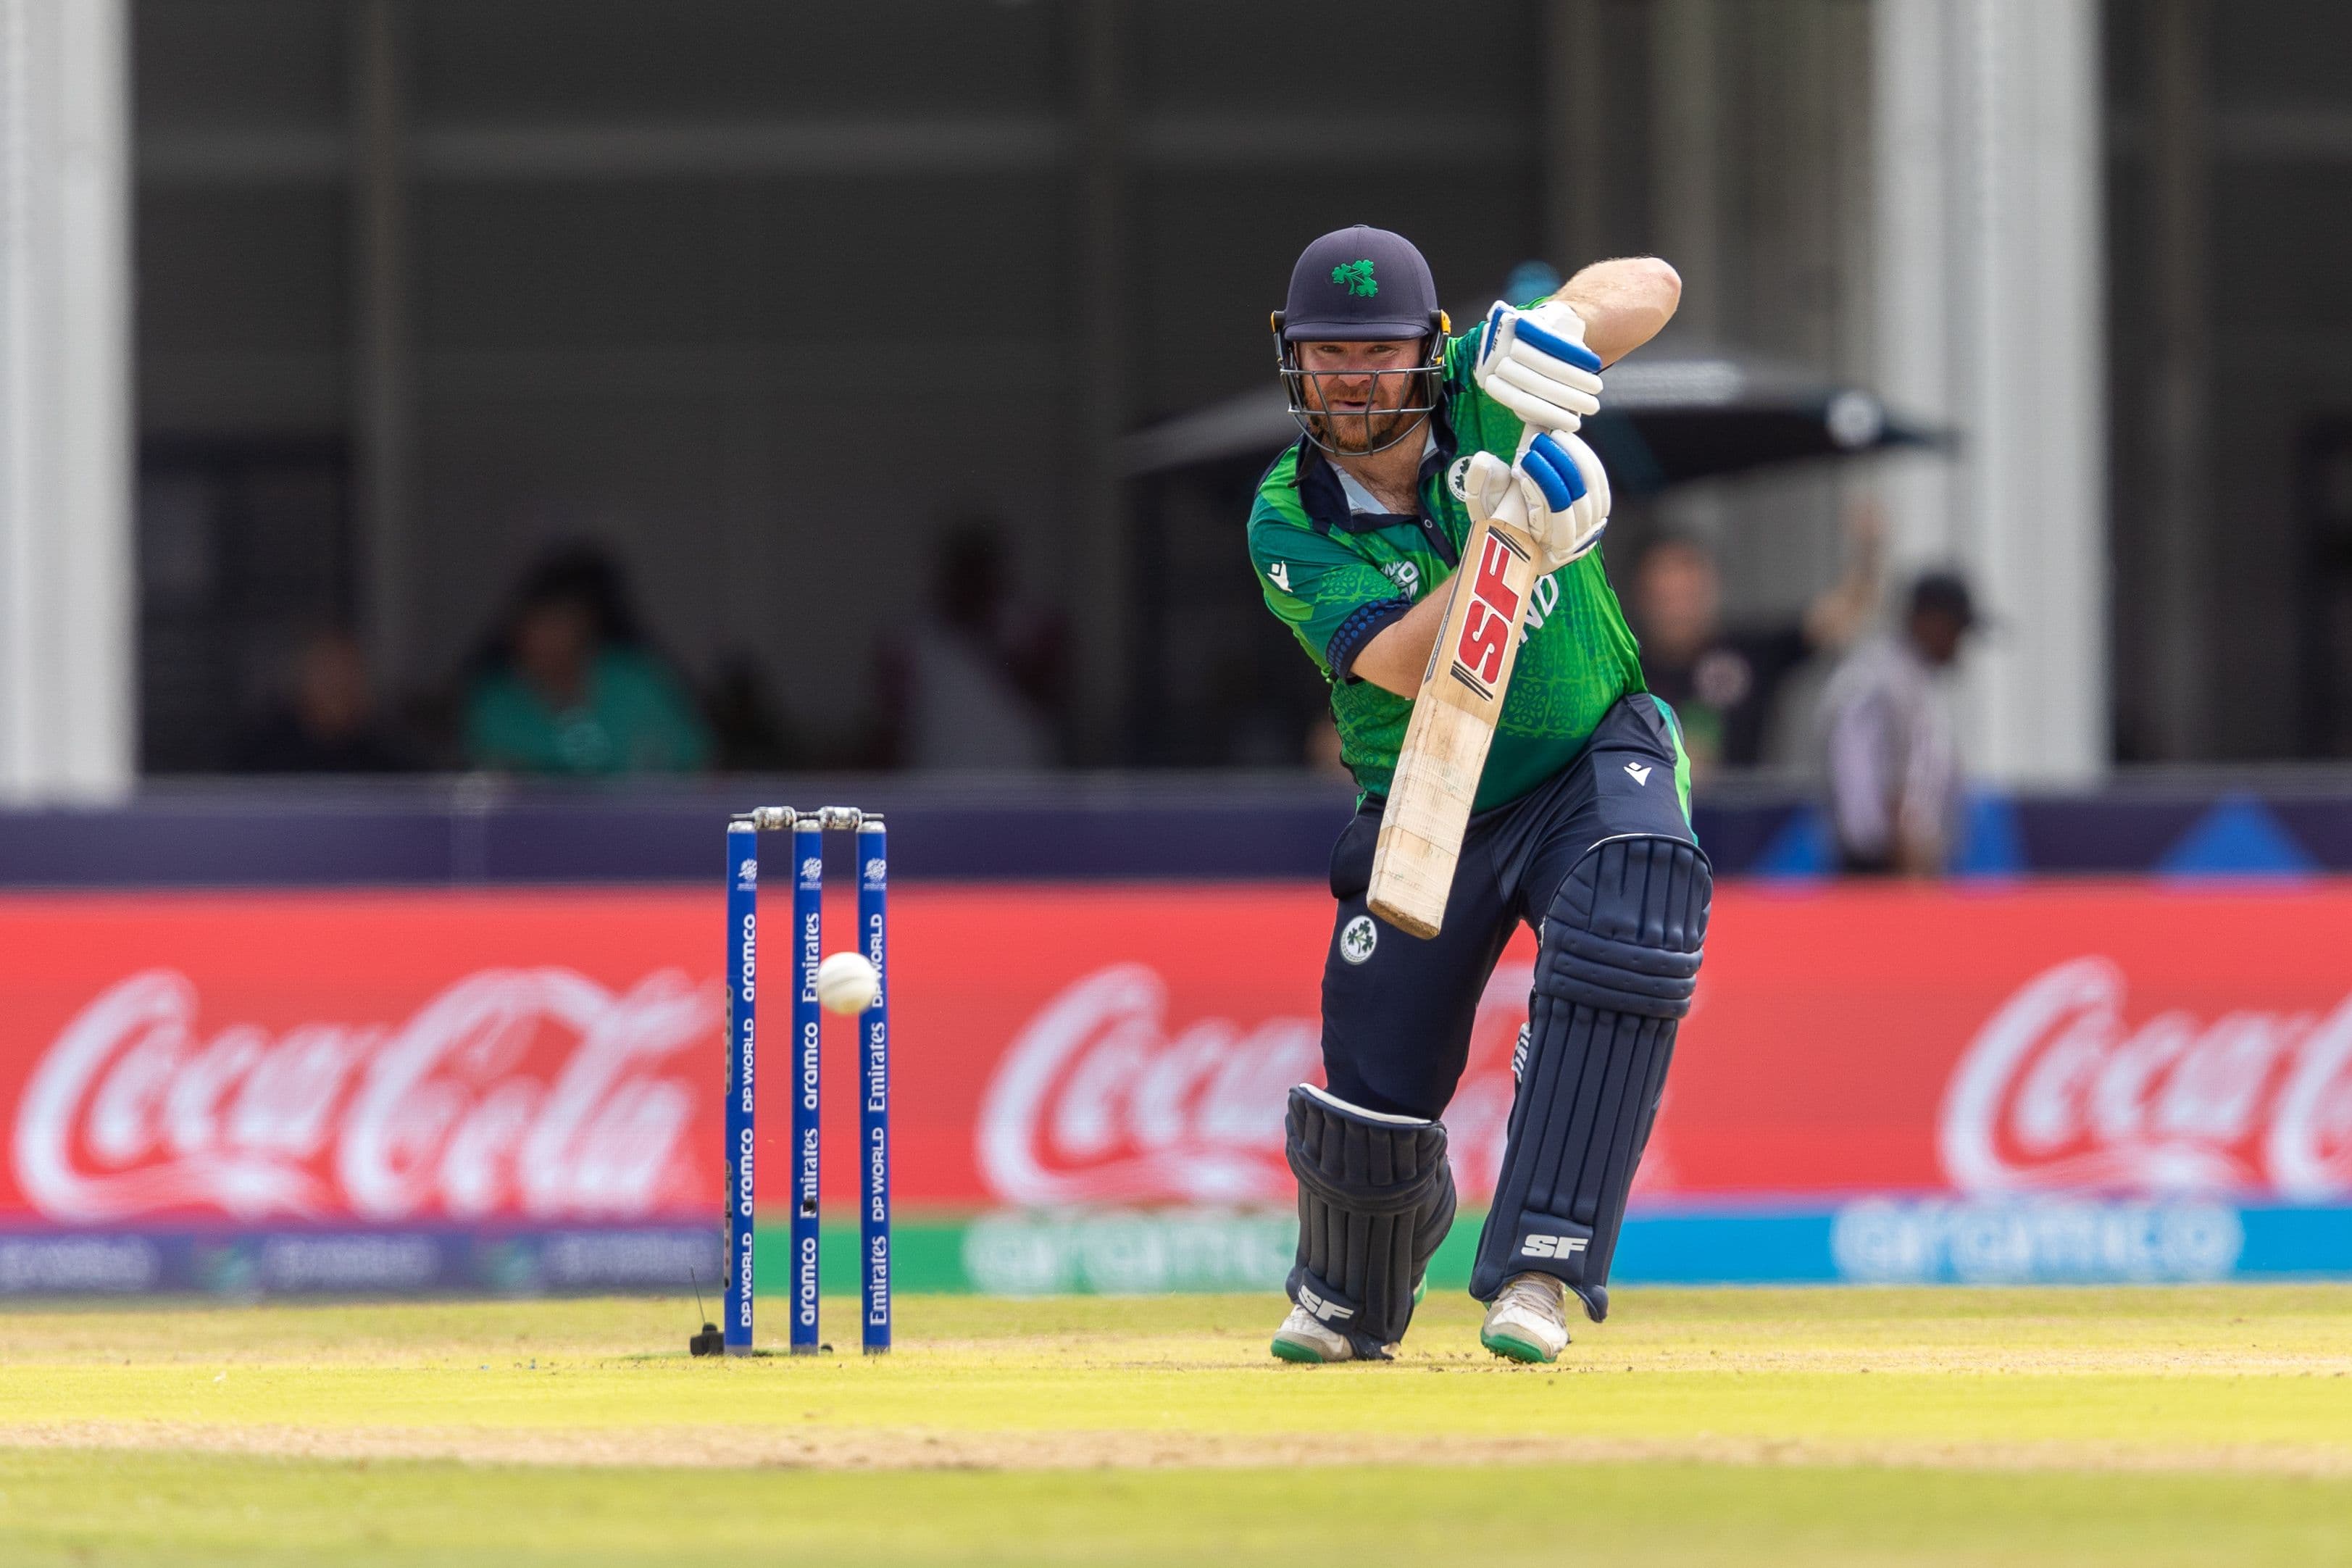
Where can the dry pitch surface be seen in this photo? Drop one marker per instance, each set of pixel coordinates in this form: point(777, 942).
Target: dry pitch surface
point(2146, 1426)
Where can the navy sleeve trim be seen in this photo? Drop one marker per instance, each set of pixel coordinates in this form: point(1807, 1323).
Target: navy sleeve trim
point(1362, 625)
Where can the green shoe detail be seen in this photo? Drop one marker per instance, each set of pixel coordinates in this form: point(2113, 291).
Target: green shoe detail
point(1513, 1348)
point(1300, 1350)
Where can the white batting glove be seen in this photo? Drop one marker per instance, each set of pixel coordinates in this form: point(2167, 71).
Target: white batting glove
point(1561, 484)
point(1534, 363)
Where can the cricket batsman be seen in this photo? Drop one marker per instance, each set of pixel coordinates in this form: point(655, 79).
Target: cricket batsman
point(1580, 827)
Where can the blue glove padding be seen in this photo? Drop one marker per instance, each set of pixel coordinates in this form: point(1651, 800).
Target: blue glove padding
point(1531, 331)
point(1534, 363)
point(1547, 463)
point(1563, 486)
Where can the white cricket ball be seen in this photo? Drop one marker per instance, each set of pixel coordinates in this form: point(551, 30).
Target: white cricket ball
point(846, 982)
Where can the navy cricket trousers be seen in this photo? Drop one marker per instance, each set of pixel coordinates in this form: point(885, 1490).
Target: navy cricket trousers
point(1397, 1009)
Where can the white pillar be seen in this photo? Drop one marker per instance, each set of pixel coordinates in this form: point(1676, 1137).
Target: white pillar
point(67, 711)
point(1990, 258)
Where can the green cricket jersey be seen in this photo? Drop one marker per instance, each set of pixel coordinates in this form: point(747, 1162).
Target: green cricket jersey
point(1338, 575)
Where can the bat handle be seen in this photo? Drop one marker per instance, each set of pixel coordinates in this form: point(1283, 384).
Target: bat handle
point(1511, 512)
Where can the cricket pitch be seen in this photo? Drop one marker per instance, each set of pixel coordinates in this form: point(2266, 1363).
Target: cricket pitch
point(2145, 1426)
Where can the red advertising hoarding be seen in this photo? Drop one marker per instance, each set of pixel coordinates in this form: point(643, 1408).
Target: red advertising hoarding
point(553, 1058)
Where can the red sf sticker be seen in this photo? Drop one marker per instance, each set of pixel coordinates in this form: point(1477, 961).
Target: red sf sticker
point(1487, 627)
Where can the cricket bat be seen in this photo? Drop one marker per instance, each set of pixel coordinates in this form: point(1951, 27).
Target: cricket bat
point(1453, 722)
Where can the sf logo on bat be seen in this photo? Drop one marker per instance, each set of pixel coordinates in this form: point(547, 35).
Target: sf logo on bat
point(1485, 635)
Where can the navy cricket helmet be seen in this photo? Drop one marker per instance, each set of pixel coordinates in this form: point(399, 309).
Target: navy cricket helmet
point(1361, 285)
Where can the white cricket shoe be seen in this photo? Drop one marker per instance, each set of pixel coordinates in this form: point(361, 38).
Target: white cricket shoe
point(1528, 1320)
point(1303, 1338)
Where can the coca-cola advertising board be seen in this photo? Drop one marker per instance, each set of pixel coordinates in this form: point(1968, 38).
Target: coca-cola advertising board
point(521, 1089)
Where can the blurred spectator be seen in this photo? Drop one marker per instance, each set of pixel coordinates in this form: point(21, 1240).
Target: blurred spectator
point(569, 687)
point(978, 685)
point(1894, 768)
point(1723, 683)
point(329, 723)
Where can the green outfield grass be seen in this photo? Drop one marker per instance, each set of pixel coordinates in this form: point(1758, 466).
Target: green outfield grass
point(2150, 1425)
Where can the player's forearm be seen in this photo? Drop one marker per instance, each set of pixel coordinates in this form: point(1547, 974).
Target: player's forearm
point(1397, 655)
point(1624, 302)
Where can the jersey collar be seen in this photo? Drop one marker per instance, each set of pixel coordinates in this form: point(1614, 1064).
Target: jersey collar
point(1335, 500)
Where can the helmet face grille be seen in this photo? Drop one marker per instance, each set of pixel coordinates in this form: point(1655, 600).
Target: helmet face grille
point(1375, 429)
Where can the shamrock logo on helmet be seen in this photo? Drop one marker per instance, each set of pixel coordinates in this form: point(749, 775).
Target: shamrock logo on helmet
point(1356, 277)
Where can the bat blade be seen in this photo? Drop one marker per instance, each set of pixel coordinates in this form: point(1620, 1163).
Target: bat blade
point(1452, 728)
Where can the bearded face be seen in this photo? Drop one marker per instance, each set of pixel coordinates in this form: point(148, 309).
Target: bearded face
point(1359, 397)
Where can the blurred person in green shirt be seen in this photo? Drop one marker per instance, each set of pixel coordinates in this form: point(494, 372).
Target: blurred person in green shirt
point(569, 687)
